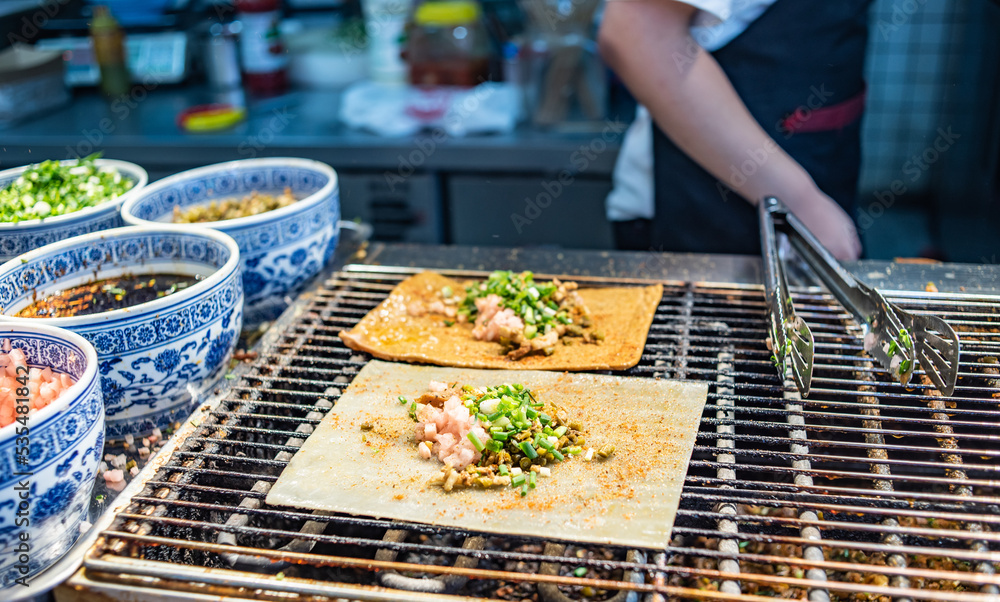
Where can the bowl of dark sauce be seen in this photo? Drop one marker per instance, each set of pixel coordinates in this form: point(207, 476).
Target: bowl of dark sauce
point(108, 294)
point(162, 305)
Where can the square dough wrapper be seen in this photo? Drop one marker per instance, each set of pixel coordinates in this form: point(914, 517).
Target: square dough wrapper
point(629, 500)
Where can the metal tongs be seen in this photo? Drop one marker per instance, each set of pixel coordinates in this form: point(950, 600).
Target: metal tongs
point(897, 339)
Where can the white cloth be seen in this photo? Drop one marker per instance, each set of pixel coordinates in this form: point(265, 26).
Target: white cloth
point(715, 24)
point(394, 110)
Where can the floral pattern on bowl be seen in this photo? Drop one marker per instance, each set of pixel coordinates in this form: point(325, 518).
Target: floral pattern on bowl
point(66, 441)
point(157, 358)
point(281, 249)
point(21, 237)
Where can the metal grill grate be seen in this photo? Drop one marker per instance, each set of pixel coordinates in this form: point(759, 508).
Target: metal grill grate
point(864, 491)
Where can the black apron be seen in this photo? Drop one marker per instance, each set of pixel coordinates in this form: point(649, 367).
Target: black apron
point(799, 53)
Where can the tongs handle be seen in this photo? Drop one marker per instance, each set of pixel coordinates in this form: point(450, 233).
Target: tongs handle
point(775, 284)
point(789, 335)
point(853, 295)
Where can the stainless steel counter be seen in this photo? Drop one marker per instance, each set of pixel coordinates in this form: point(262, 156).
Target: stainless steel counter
point(947, 277)
point(142, 128)
point(424, 188)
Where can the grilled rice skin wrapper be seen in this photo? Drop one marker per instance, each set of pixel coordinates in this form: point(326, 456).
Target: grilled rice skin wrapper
point(389, 332)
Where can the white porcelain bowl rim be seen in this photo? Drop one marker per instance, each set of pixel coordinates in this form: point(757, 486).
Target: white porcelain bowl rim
point(239, 165)
point(219, 275)
point(12, 330)
point(124, 167)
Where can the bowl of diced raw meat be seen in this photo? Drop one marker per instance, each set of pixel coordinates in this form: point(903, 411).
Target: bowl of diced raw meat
point(51, 443)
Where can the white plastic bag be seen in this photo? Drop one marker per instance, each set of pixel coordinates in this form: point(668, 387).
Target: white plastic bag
point(394, 111)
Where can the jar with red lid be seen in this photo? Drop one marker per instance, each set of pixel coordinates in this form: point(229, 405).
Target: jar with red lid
point(447, 44)
point(262, 53)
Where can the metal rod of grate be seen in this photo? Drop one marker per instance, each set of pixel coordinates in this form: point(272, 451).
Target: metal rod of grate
point(864, 491)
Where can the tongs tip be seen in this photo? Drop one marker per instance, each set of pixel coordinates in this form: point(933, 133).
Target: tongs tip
point(897, 339)
point(794, 342)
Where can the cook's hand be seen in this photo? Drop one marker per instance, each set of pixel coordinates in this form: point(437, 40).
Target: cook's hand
point(829, 223)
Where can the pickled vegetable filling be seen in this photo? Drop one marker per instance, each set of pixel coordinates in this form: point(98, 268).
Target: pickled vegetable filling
point(107, 295)
point(220, 210)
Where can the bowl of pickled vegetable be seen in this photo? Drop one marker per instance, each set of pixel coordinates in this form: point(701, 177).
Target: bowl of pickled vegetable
point(283, 213)
point(162, 305)
point(50, 403)
point(54, 200)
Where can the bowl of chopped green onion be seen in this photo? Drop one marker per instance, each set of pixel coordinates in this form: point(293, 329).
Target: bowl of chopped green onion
point(55, 200)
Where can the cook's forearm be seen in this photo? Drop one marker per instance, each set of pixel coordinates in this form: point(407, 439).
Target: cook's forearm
point(648, 45)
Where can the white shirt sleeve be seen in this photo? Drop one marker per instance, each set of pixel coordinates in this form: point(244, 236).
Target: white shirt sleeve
point(717, 10)
point(632, 179)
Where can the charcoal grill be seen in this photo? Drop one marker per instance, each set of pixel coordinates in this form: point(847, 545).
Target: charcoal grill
point(864, 491)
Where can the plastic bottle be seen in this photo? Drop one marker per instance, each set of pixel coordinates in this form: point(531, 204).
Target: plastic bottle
point(109, 50)
point(385, 21)
point(265, 63)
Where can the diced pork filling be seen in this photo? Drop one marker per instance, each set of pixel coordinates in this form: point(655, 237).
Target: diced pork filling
point(494, 323)
point(443, 432)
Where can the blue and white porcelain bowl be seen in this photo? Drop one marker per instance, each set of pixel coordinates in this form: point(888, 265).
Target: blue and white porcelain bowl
point(155, 358)
point(281, 249)
point(44, 509)
point(21, 237)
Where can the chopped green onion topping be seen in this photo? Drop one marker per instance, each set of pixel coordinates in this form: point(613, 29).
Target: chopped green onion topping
point(905, 336)
point(476, 442)
point(533, 302)
point(528, 450)
point(904, 366)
